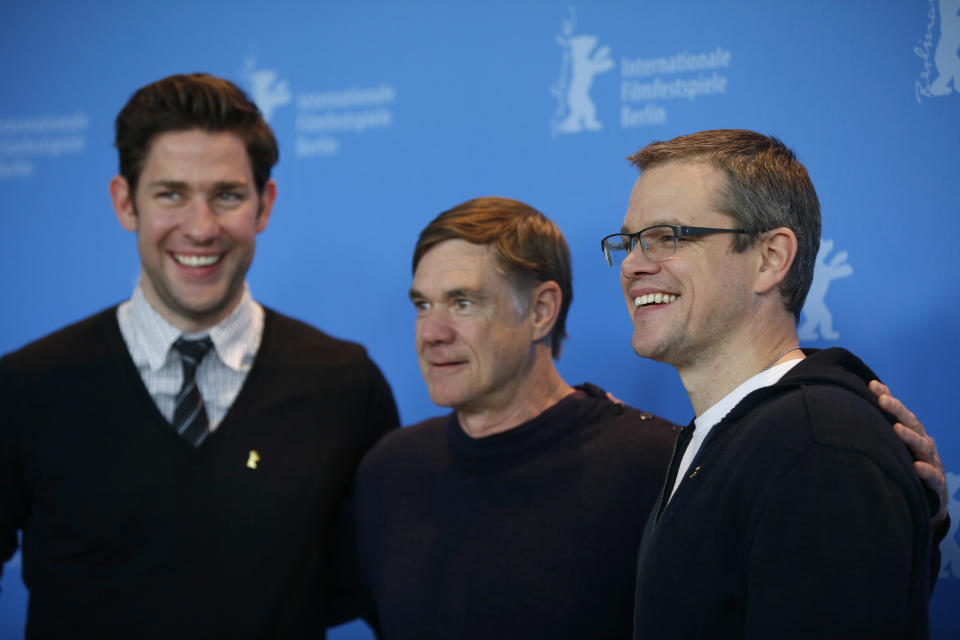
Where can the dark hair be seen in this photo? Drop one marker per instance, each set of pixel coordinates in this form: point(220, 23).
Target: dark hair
point(766, 187)
point(194, 101)
point(529, 248)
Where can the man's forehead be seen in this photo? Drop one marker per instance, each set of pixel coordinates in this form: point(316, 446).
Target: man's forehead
point(455, 251)
point(195, 139)
point(670, 192)
point(454, 265)
point(174, 152)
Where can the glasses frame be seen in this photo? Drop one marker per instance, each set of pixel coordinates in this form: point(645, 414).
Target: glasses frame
point(679, 231)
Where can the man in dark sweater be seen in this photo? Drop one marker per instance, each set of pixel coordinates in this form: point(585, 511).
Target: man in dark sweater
point(519, 514)
point(790, 509)
point(179, 464)
point(516, 515)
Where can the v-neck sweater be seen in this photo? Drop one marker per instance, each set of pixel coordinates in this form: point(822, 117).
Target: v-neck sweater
point(129, 531)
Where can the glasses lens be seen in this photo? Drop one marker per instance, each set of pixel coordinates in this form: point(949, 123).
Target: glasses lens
point(616, 248)
point(659, 243)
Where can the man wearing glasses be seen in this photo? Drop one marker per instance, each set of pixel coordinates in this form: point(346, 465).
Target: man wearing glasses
point(790, 507)
point(519, 514)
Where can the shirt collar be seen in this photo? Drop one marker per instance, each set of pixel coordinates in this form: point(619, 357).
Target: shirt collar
point(706, 420)
point(236, 338)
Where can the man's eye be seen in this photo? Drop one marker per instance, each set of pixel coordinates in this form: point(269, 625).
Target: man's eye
point(169, 195)
point(421, 305)
point(463, 303)
point(230, 196)
point(665, 238)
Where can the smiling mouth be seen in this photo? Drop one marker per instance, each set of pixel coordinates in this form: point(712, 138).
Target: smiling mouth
point(650, 299)
point(442, 365)
point(197, 261)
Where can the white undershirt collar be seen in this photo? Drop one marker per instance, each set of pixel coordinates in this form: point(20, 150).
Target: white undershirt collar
point(712, 416)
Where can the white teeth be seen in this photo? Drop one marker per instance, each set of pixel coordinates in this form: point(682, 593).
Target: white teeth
point(653, 298)
point(196, 261)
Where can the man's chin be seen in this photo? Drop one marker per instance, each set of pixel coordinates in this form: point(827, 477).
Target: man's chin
point(642, 345)
point(443, 399)
point(203, 313)
point(444, 394)
point(649, 349)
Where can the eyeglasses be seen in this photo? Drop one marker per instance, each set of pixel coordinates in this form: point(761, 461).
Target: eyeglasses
point(657, 243)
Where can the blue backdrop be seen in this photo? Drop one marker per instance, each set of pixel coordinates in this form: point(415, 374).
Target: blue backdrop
point(388, 113)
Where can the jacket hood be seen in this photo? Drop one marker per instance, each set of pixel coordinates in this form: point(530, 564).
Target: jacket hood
point(834, 366)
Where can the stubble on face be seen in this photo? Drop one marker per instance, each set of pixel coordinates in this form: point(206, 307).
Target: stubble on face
point(705, 274)
point(197, 215)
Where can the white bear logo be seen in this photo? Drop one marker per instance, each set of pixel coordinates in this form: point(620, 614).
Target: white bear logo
point(582, 62)
point(945, 56)
point(815, 311)
point(949, 549)
point(268, 91)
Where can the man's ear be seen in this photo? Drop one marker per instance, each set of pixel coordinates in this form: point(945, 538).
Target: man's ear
point(777, 251)
point(123, 205)
point(267, 199)
point(545, 303)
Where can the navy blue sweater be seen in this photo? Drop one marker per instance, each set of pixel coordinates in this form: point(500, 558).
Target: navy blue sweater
point(130, 532)
point(529, 533)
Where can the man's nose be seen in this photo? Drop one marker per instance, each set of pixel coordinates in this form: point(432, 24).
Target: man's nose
point(434, 328)
point(200, 223)
point(637, 263)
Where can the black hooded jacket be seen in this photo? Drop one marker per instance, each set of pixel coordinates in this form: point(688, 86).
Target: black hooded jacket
point(800, 517)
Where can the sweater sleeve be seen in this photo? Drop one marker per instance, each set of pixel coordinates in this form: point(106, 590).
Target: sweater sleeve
point(13, 496)
point(347, 596)
point(381, 415)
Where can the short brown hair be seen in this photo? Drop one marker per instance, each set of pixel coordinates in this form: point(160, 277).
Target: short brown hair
point(193, 101)
point(766, 187)
point(529, 248)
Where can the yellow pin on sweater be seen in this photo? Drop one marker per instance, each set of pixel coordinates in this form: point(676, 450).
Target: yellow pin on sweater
point(253, 459)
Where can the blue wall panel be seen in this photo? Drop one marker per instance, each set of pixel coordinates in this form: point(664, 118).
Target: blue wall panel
point(388, 113)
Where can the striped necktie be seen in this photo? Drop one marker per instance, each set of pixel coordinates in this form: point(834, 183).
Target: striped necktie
point(189, 416)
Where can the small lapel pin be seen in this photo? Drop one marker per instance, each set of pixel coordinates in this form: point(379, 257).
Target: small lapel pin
point(253, 459)
point(695, 471)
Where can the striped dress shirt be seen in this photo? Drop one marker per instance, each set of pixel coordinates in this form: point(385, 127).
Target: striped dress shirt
point(149, 338)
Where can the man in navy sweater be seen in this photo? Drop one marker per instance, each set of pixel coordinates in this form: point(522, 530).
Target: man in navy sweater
point(178, 464)
point(791, 509)
point(518, 514)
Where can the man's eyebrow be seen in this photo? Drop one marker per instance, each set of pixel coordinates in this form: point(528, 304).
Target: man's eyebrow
point(181, 185)
point(230, 184)
point(450, 294)
point(654, 223)
point(479, 295)
point(168, 184)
